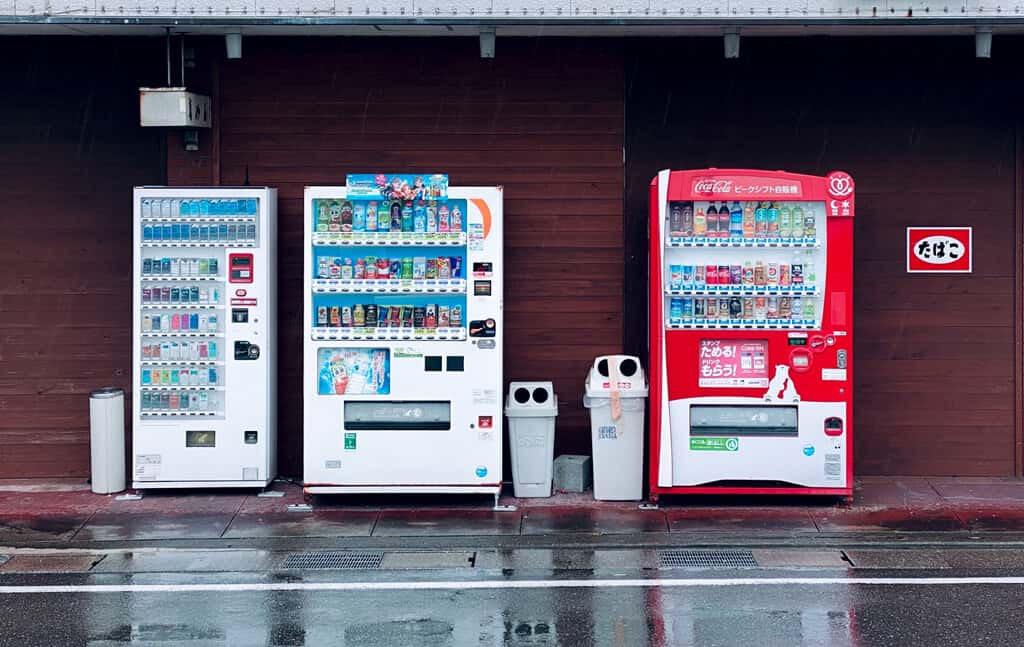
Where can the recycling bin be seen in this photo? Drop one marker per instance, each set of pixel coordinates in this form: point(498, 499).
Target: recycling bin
point(531, 409)
point(106, 440)
point(615, 395)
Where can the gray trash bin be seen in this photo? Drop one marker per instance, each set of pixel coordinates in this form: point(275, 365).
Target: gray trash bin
point(106, 440)
point(531, 408)
point(617, 428)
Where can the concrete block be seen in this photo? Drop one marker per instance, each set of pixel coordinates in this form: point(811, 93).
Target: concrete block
point(573, 473)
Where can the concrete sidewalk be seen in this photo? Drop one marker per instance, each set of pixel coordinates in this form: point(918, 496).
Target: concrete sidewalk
point(71, 515)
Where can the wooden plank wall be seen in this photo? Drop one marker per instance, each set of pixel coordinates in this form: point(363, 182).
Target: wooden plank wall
point(927, 131)
point(71, 150)
point(544, 119)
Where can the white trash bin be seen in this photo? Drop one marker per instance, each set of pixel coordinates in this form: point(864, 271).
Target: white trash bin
point(106, 440)
point(531, 408)
point(615, 394)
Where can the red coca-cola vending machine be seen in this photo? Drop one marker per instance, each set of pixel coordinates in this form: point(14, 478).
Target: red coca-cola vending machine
point(751, 333)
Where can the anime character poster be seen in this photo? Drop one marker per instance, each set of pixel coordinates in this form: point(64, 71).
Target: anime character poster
point(396, 186)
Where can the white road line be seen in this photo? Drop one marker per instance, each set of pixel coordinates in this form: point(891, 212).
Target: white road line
point(510, 584)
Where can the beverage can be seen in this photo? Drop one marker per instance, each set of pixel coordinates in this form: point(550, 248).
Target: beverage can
point(735, 275)
point(772, 276)
point(735, 308)
point(406, 316)
point(383, 268)
point(443, 316)
point(687, 277)
point(359, 273)
point(760, 307)
point(748, 307)
point(147, 266)
point(773, 307)
point(712, 308)
point(785, 307)
point(748, 274)
point(334, 316)
point(784, 277)
point(147, 294)
point(699, 274)
point(760, 274)
point(407, 268)
point(430, 316)
point(711, 275)
point(233, 231)
point(699, 308)
point(396, 268)
point(147, 323)
point(796, 274)
point(456, 316)
point(346, 316)
point(194, 295)
point(358, 316)
point(371, 315)
point(675, 280)
point(675, 311)
point(223, 231)
point(456, 264)
point(687, 308)
point(431, 269)
point(321, 316)
point(723, 308)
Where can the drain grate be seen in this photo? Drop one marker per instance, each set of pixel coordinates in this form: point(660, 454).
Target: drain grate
point(333, 560)
point(707, 559)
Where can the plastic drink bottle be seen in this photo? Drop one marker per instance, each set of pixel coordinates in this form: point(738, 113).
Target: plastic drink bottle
point(736, 221)
point(773, 220)
point(761, 220)
point(687, 219)
point(711, 218)
point(785, 221)
point(700, 223)
point(798, 221)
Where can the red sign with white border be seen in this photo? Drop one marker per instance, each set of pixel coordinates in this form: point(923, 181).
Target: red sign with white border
point(940, 250)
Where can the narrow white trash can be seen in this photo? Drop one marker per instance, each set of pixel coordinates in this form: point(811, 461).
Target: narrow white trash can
point(531, 409)
point(106, 440)
point(615, 394)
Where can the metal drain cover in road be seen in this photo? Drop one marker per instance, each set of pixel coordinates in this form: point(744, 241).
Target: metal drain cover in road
point(333, 560)
point(707, 559)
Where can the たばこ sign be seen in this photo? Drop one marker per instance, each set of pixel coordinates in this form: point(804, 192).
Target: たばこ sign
point(939, 250)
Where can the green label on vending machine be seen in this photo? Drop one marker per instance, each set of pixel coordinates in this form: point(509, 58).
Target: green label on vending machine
point(702, 444)
point(350, 441)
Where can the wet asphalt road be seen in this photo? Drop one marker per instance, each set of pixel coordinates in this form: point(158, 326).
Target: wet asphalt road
point(784, 614)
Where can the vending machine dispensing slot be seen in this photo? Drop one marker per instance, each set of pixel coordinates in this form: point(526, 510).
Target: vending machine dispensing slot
point(398, 416)
point(743, 420)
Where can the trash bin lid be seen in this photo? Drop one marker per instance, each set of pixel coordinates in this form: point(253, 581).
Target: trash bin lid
point(106, 392)
point(632, 382)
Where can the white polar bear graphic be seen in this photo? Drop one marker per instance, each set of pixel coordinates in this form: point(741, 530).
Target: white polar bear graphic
point(781, 388)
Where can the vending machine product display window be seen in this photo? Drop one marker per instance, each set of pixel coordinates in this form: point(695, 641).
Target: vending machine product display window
point(751, 332)
point(403, 364)
point(204, 319)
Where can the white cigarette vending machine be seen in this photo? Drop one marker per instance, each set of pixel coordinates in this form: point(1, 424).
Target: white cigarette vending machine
point(403, 341)
point(204, 317)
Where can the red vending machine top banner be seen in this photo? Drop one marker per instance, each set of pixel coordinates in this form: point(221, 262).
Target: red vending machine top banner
point(836, 188)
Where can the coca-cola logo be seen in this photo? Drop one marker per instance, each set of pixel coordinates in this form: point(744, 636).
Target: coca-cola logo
point(840, 184)
point(712, 186)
